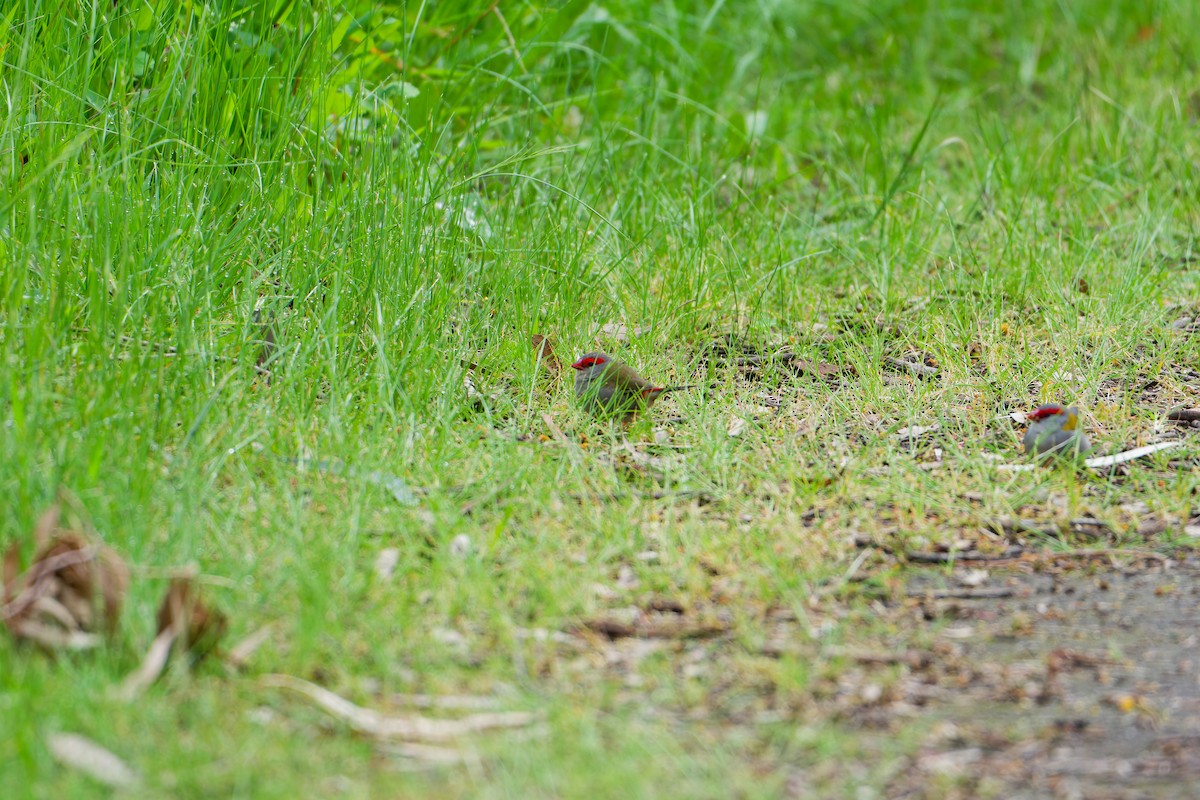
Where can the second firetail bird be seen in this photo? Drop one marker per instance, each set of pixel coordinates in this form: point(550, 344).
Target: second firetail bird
point(1055, 429)
point(610, 388)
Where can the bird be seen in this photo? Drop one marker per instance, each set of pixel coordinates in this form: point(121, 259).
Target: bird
point(608, 387)
point(1055, 429)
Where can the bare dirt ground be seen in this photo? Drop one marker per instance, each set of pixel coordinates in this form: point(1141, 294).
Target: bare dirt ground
point(1081, 683)
point(1045, 675)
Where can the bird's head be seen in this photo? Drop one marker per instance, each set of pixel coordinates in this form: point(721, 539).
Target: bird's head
point(1066, 416)
point(589, 360)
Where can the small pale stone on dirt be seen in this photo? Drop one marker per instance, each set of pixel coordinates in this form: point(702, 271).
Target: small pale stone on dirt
point(263, 715)
point(625, 616)
point(736, 426)
point(1151, 526)
point(914, 432)
point(386, 561)
point(572, 121)
point(1192, 530)
point(953, 762)
point(958, 632)
point(627, 578)
point(973, 578)
point(450, 638)
point(460, 545)
point(1184, 323)
point(620, 332)
point(944, 732)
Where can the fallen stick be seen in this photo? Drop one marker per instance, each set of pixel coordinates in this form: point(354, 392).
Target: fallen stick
point(1127, 455)
point(961, 594)
point(406, 727)
point(1100, 462)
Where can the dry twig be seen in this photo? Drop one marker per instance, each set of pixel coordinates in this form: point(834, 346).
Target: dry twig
point(406, 727)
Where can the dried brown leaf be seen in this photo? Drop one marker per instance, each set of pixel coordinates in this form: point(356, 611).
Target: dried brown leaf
point(675, 627)
point(183, 618)
point(197, 625)
point(72, 588)
point(153, 664)
point(667, 605)
point(49, 607)
point(101, 576)
point(53, 637)
point(114, 585)
point(545, 350)
point(12, 571)
point(80, 753)
point(239, 655)
point(46, 526)
point(612, 628)
point(622, 333)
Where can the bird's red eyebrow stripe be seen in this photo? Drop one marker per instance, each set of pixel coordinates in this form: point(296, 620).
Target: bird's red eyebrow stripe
point(1042, 413)
point(584, 363)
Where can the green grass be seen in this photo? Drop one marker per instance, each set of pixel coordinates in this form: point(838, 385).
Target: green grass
point(1010, 188)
